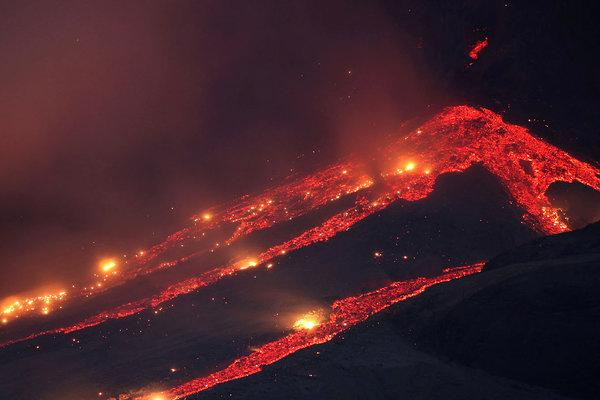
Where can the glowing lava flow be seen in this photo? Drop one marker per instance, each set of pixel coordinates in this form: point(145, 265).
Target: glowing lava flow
point(525, 165)
point(260, 212)
point(327, 230)
point(452, 141)
point(245, 216)
point(477, 47)
point(344, 314)
point(276, 205)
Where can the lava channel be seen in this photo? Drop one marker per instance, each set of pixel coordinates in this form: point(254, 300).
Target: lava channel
point(344, 314)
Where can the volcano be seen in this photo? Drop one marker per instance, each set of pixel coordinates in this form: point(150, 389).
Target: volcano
point(299, 200)
point(249, 284)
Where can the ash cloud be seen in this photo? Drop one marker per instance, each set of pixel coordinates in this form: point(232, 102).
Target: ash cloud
point(122, 119)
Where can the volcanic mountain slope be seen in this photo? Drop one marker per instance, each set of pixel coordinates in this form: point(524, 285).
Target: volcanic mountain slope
point(468, 217)
point(524, 328)
point(536, 315)
point(460, 189)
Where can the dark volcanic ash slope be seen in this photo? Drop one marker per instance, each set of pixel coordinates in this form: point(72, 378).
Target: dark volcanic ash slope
point(532, 315)
point(525, 328)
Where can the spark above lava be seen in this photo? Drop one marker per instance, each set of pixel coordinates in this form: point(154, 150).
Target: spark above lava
point(477, 48)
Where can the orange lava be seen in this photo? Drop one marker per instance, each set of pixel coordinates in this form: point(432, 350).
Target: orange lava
point(525, 165)
point(42, 304)
point(452, 141)
point(253, 213)
point(477, 47)
point(344, 314)
point(249, 214)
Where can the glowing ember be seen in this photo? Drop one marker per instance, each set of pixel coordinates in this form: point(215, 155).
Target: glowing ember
point(303, 323)
point(477, 47)
point(108, 265)
point(308, 321)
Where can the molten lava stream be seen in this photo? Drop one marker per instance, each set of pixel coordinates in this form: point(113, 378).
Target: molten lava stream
point(526, 166)
point(260, 212)
point(339, 222)
point(344, 314)
point(247, 215)
point(451, 141)
point(275, 205)
point(328, 229)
